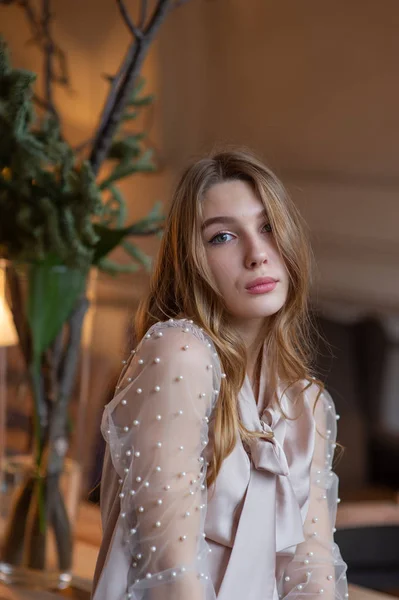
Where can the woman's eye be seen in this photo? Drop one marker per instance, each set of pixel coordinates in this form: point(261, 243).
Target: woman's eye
point(217, 239)
point(220, 238)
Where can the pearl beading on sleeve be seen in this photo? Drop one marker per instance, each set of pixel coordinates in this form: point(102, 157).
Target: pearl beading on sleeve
point(157, 429)
point(317, 568)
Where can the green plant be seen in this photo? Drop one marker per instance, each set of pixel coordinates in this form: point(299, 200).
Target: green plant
point(57, 220)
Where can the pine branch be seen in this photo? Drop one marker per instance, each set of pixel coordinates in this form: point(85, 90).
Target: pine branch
point(146, 232)
point(123, 86)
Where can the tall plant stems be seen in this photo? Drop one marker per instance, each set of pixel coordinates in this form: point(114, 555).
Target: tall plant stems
point(52, 360)
point(124, 81)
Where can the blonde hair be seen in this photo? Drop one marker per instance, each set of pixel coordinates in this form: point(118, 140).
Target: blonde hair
point(181, 283)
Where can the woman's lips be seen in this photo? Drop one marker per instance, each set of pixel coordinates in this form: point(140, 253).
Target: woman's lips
point(262, 288)
point(261, 285)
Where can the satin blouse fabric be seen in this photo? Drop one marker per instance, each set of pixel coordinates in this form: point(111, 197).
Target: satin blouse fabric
point(264, 531)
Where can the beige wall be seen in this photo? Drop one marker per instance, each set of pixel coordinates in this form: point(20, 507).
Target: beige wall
point(313, 87)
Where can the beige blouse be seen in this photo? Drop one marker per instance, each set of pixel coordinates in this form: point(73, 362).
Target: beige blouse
point(265, 529)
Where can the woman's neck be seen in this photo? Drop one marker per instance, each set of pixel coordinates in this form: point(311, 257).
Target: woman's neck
point(253, 333)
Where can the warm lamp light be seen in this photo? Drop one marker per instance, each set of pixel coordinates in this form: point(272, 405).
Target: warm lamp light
point(8, 334)
point(8, 337)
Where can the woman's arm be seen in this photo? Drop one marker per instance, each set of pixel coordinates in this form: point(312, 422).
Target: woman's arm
point(156, 427)
point(317, 569)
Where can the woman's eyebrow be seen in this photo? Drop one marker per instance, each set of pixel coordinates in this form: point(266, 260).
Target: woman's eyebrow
point(226, 219)
point(220, 219)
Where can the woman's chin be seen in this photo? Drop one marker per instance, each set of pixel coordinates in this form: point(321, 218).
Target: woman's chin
point(258, 312)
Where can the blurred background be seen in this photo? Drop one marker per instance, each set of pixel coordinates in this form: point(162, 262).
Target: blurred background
point(313, 88)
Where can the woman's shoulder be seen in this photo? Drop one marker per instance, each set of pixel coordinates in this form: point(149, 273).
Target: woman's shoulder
point(173, 328)
point(318, 396)
point(322, 408)
point(179, 334)
point(176, 347)
point(314, 395)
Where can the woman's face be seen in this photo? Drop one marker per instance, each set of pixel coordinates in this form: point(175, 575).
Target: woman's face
point(240, 249)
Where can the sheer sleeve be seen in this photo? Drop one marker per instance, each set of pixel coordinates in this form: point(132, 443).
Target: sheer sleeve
point(317, 569)
point(157, 429)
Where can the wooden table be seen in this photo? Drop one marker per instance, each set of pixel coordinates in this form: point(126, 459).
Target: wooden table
point(88, 537)
point(355, 593)
point(7, 593)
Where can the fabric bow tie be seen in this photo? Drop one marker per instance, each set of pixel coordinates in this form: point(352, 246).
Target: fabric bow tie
point(267, 453)
point(271, 519)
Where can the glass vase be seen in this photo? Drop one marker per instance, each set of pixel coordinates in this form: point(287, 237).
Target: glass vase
point(46, 317)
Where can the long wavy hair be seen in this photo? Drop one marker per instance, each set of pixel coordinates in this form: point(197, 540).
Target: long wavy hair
point(182, 284)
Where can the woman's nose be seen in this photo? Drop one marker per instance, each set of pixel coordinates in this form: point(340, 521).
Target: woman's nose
point(257, 254)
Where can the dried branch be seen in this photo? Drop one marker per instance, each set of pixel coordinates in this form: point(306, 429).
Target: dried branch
point(30, 12)
point(54, 57)
point(48, 58)
point(143, 13)
point(135, 31)
point(40, 102)
point(70, 358)
point(63, 77)
point(83, 145)
point(31, 16)
point(124, 84)
point(111, 98)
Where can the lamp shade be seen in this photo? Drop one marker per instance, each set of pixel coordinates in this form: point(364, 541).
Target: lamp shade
point(8, 334)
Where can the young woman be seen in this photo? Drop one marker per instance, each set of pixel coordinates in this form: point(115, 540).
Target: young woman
point(217, 480)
